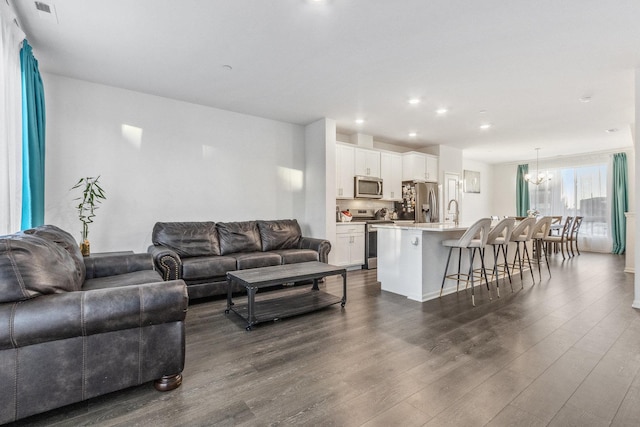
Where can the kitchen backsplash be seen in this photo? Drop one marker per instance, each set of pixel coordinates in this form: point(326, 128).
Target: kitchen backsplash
point(364, 204)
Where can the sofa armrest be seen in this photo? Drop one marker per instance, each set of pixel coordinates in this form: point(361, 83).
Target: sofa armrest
point(83, 313)
point(112, 265)
point(323, 247)
point(167, 262)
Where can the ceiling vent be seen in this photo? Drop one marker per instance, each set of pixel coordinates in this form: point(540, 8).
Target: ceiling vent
point(43, 7)
point(45, 11)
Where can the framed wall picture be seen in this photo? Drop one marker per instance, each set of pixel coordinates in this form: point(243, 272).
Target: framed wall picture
point(471, 181)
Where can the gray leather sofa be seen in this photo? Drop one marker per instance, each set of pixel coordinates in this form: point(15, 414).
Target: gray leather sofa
point(202, 253)
point(72, 328)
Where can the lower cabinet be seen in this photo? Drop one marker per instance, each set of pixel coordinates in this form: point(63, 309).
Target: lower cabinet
point(349, 247)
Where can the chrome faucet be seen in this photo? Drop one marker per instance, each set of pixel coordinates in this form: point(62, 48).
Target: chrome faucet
point(457, 212)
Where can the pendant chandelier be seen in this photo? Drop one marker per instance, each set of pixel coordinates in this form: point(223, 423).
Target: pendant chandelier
point(539, 177)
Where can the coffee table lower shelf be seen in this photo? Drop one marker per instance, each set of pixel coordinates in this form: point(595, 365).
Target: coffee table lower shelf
point(290, 303)
point(286, 306)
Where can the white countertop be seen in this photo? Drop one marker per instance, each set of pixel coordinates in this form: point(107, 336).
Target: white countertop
point(426, 226)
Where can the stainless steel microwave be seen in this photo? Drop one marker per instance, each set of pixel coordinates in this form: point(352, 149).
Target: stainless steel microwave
point(367, 187)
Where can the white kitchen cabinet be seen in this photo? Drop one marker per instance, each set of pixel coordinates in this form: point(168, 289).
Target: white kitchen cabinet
point(349, 247)
point(431, 168)
point(367, 162)
point(419, 167)
point(344, 171)
point(391, 174)
point(413, 167)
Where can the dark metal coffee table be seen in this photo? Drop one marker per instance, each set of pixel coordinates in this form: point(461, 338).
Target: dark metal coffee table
point(286, 305)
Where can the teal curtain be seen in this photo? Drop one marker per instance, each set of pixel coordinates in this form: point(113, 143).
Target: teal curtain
point(33, 130)
point(522, 191)
point(619, 203)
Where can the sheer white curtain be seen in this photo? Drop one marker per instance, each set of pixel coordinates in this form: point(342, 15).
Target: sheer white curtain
point(10, 122)
point(581, 186)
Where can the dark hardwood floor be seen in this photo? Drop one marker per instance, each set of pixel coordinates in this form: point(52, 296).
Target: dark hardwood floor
point(563, 351)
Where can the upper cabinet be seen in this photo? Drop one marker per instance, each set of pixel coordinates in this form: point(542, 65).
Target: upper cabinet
point(367, 162)
point(419, 167)
point(345, 157)
point(392, 167)
point(391, 174)
point(431, 168)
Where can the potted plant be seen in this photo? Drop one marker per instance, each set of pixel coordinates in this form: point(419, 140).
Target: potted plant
point(92, 195)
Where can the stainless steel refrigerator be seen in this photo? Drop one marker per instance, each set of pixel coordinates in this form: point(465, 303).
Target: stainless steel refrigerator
point(419, 202)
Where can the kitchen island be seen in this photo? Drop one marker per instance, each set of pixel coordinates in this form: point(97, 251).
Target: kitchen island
point(412, 259)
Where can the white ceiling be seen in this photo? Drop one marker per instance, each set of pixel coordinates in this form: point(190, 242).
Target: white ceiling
point(525, 63)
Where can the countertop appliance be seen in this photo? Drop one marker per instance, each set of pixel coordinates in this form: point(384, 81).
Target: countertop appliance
point(368, 216)
point(419, 202)
point(366, 187)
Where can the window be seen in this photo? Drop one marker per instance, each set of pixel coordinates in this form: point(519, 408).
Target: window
point(581, 190)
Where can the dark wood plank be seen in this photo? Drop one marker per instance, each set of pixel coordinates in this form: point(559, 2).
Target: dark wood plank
point(561, 351)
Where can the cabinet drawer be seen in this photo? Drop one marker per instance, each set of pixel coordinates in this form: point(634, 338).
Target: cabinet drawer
point(349, 228)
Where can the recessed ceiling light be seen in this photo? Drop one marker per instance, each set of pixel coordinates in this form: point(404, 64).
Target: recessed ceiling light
point(485, 126)
point(414, 101)
point(359, 121)
point(441, 111)
point(585, 99)
point(413, 134)
point(482, 112)
point(612, 130)
point(227, 67)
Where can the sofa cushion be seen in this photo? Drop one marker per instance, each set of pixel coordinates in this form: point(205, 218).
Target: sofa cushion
point(281, 234)
point(133, 278)
point(31, 266)
point(207, 267)
point(294, 256)
point(187, 239)
point(65, 240)
point(242, 236)
point(257, 259)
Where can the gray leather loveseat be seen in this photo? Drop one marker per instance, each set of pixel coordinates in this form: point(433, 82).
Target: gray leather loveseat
point(72, 328)
point(202, 253)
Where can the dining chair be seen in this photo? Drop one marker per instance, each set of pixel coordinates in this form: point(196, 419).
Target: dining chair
point(573, 234)
point(562, 238)
point(541, 230)
point(521, 235)
point(474, 239)
point(556, 224)
point(498, 239)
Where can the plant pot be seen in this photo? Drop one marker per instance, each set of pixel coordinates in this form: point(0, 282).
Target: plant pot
point(85, 248)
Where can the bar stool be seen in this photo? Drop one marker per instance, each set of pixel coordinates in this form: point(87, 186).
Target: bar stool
point(498, 239)
point(541, 229)
point(474, 239)
point(522, 235)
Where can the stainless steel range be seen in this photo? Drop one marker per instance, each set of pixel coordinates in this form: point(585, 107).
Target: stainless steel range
point(370, 219)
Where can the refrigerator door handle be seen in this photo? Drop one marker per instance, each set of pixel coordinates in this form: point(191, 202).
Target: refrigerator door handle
point(433, 202)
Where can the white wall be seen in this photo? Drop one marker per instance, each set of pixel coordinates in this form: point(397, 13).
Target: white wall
point(175, 162)
point(474, 206)
point(320, 182)
point(504, 189)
